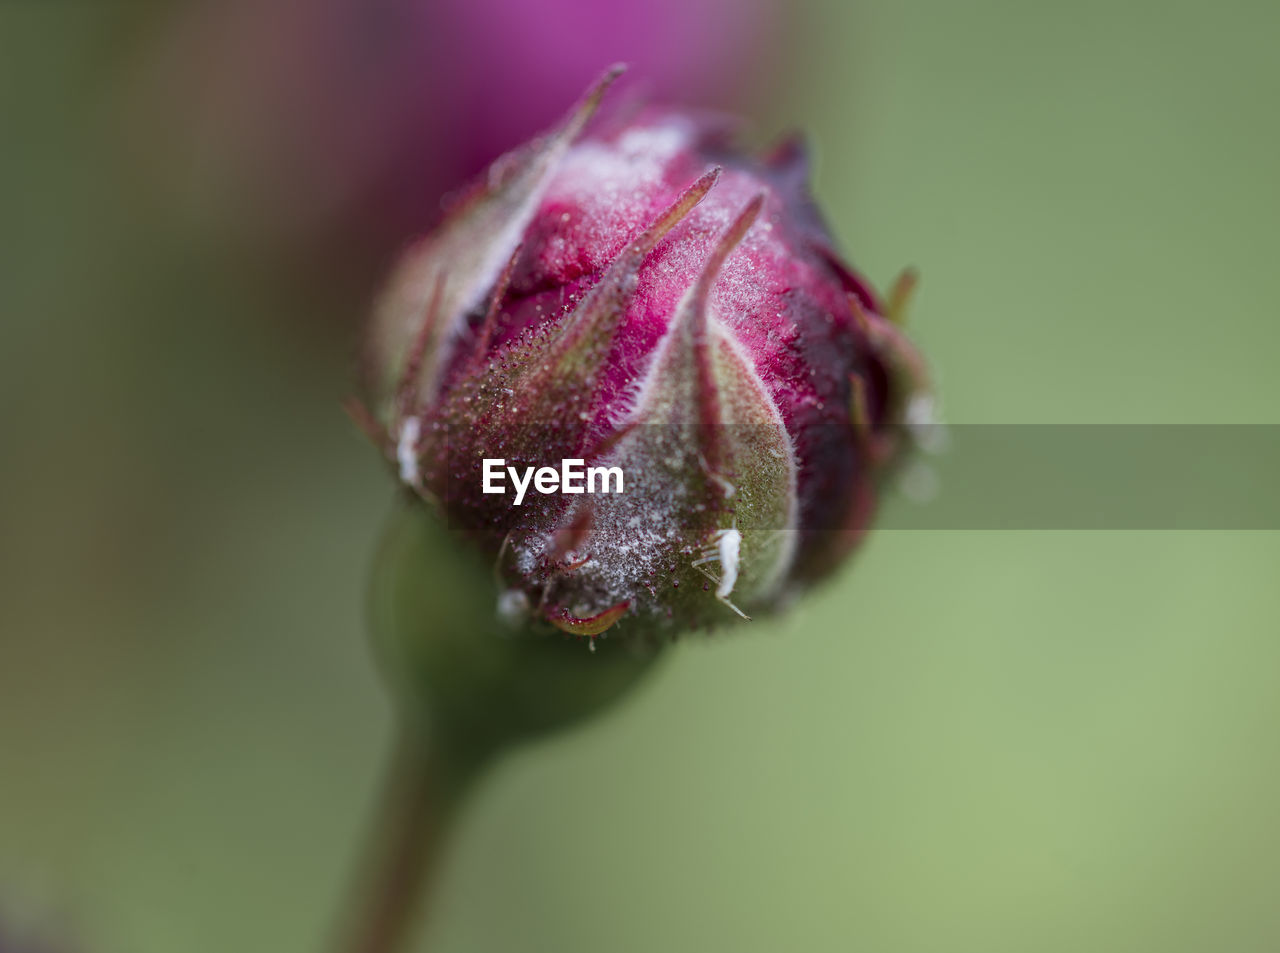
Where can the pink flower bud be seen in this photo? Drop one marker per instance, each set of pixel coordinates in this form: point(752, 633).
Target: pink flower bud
point(632, 298)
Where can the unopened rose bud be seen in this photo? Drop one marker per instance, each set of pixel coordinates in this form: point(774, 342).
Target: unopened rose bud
point(632, 294)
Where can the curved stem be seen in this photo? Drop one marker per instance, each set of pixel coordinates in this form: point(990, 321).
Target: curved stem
point(420, 796)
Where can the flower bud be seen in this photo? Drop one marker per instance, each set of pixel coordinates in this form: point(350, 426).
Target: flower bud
point(633, 297)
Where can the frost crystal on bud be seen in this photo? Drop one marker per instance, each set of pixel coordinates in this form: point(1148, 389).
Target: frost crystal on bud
point(633, 292)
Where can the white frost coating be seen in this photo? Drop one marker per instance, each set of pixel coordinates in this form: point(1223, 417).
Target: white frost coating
point(407, 450)
point(660, 143)
point(639, 156)
point(611, 184)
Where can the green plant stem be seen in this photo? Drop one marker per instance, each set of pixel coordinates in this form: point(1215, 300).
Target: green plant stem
point(422, 792)
point(479, 688)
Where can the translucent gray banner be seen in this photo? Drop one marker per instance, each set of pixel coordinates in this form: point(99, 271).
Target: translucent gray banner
point(1086, 476)
point(996, 476)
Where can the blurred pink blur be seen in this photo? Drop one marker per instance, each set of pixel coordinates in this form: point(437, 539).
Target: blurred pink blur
point(296, 125)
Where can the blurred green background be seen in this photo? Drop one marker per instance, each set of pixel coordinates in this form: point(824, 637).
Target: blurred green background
point(969, 741)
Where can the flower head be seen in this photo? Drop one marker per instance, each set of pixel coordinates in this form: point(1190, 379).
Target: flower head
point(632, 295)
